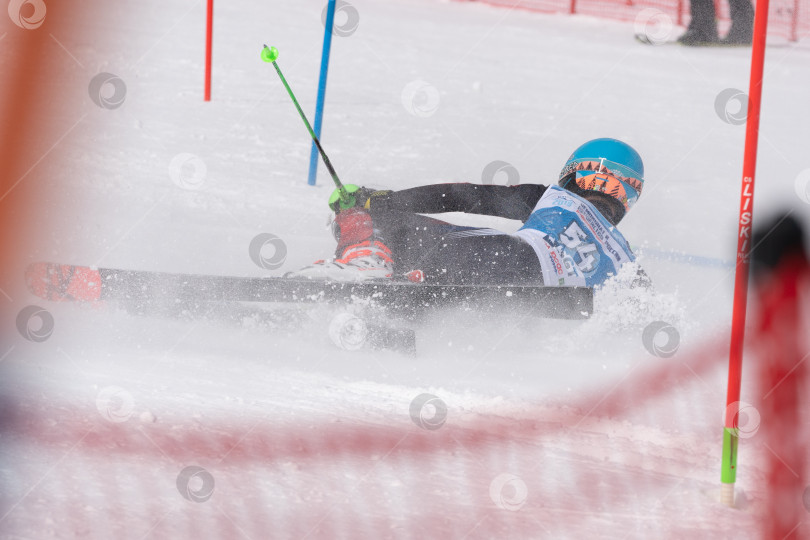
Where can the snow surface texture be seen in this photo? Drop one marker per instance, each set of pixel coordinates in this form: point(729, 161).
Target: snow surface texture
point(300, 439)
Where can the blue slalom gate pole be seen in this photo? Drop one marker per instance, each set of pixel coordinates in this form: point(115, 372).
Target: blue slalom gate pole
point(327, 46)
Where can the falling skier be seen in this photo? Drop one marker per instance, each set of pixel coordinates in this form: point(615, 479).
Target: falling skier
point(567, 244)
point(568, 237)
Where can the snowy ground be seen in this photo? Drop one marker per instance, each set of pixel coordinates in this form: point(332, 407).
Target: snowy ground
point(303, 439)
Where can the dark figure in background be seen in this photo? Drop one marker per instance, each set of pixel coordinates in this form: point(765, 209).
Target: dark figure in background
point(703, 27)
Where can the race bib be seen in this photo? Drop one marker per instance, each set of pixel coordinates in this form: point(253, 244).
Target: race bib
point(576, 245)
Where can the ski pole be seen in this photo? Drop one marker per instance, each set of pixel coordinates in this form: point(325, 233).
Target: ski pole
point(269, 54)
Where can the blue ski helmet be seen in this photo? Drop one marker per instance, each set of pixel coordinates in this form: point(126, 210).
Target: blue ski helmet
point(609, 166)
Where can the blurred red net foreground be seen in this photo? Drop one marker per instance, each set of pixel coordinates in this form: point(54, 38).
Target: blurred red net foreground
point(787, 18)
point(639, 458)
point(551, 472)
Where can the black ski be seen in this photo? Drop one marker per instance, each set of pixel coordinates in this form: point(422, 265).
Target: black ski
point(60, 282)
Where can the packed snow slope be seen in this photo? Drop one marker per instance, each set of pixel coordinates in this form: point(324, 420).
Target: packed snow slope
point(303, 439)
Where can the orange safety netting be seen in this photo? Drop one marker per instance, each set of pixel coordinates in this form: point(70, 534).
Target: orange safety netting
point(787, 18)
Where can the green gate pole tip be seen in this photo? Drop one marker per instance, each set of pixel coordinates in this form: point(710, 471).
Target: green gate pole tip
point(269, 54)
point(728, 476)
point(730, 442)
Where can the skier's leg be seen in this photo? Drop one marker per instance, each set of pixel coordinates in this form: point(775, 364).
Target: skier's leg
point(467, 258)
point(447, 253)
point(410, 236)
point(360, 255)
point(398, 242)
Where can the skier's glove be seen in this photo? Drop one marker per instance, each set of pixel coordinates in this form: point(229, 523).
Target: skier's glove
point(362, 197)
point(372, 195)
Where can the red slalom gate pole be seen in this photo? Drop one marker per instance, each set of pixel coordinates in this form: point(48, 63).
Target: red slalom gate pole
point(730, 430)
point(209, 30)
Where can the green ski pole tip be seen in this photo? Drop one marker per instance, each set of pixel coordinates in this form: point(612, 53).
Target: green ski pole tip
point(269, 54)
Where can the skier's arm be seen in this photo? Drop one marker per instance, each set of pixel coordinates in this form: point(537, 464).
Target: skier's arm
point(513, 202)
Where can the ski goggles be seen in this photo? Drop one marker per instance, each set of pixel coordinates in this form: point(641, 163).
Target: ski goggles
point(614, 179)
